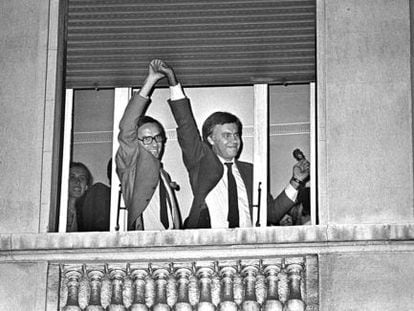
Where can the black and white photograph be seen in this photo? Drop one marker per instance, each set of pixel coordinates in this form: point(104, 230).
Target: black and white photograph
point(206, 155)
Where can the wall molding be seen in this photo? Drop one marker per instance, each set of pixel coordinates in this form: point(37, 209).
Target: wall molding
point(98, 137)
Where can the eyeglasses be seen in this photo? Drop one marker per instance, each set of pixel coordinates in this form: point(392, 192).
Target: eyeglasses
point(147, 140)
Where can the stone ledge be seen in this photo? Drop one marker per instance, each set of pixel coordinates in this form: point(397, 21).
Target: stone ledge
point(306, 235)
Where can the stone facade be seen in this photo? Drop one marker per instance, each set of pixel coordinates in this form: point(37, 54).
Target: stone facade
point(363, 247)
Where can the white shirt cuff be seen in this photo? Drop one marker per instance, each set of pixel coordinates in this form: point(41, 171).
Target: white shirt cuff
point(176, 92)
point(291, 192)
point(137, 93)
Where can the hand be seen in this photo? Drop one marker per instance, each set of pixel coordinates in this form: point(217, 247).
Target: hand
point(154, 72)
point(300, 173)
point(161, 67)
point(301, 170)
point(287, 220)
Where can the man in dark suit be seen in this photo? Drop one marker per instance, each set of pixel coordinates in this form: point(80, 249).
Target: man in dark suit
point(147, 188)
point(222, 185)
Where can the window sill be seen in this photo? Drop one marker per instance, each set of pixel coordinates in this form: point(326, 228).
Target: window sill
point(207, 242)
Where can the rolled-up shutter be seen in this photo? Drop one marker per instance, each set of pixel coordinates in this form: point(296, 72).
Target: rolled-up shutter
point(219, 42)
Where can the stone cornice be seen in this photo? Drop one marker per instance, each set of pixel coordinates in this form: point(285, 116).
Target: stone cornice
point(207, 243)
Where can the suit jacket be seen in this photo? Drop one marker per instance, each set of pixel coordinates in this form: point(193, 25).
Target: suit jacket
point(138, 170)
point(205, 171)
point(94, 210)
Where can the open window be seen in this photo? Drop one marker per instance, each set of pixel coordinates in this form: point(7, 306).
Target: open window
point(269, 136)
point(243, 52)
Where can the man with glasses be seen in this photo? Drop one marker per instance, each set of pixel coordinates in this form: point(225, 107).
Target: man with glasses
point(147, 188)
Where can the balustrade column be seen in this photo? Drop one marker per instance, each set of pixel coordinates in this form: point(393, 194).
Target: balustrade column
point(117, 276)
point(95, 281)
point(204, 275)
point(272, 302)
point(138, 276)
point(227, 297)
point(73, 282)
point(250, 301)
point(294, 269)
point(183, 279)
point(161, 279)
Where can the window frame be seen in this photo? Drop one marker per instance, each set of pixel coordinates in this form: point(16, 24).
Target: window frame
point(260, 155)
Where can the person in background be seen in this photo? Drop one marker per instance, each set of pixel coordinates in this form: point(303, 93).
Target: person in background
point(80, 178)
point(301, 211)
point(94, 211)
point(146, 187)
point(222, 185)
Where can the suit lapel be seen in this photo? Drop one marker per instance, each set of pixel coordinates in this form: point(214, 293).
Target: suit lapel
point(145, 180)
point(247, 176)
point(170, 197)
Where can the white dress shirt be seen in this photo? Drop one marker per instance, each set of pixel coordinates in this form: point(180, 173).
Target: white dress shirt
point(218, 200)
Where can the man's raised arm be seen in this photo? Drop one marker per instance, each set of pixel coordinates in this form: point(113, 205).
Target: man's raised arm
point(187, 132)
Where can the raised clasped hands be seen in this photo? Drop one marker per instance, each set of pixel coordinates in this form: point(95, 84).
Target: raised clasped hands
point(159, 69)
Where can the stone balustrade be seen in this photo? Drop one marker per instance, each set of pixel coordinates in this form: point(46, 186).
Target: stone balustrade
point(333, 256)
point(270, 284)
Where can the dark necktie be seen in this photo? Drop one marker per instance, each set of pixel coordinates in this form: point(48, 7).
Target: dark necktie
point(163, 205)
point(233, 215)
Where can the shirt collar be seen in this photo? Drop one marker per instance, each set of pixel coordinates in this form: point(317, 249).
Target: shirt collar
point(222, 160)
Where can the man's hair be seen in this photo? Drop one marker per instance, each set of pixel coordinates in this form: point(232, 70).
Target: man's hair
point(88, 172)
point(147, 119)
point(219, 118)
